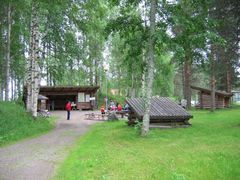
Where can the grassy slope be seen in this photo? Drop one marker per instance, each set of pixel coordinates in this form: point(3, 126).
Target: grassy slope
point(210, 149)
point(16, 124)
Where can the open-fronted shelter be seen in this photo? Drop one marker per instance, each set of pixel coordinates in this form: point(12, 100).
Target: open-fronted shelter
point(162, 110)
point(222, 98)
point(81, 97)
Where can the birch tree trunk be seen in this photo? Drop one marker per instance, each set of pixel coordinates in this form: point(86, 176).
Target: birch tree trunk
point(7, 75)
point(213, 80)
point(144, 57)
point(36, 70)
point(12, 87)
point(91, 71)
point(28, 82)
point(144, 71)
point(19, 87)
point(133, 90)
point(29, 69)
point(47, 63)
point(96, 75)
point(33, 80)
point(95, 60)
point(1, 91)
point(150, 74)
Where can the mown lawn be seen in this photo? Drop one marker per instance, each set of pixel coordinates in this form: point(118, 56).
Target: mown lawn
point(210, 149)
point(16, 124)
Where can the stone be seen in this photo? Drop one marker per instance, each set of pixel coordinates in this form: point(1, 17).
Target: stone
point(112, 116)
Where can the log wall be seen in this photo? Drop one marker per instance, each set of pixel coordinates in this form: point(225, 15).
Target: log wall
point(220, 101)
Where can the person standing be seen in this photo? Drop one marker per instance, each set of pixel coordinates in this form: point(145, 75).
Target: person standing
point(102, 110)
point(53, 105)
point(68, 108)
point(126, 107)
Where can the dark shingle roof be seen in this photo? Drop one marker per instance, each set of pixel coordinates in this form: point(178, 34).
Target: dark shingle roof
point(46, 89)
point(208, 91)
point(161, 108)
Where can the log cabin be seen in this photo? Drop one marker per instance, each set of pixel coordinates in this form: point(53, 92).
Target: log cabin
point(222, 98)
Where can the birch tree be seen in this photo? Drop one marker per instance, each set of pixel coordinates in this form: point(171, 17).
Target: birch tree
point(150, 69)
point(7, 74)
point(33, 79)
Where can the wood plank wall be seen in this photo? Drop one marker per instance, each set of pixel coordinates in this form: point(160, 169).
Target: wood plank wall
point(220, 102)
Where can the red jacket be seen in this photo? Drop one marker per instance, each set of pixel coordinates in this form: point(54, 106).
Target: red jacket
point(102, 109)
point(68, 107)
point(119, 108)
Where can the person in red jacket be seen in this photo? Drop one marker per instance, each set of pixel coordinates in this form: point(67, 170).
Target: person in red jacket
point(119, 108)
point(102, 110)
point(68, 108)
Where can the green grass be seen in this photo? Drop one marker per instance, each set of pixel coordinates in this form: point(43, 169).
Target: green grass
point(16, 124)
point(210, 149)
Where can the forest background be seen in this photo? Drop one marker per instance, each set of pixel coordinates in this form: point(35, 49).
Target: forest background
point(106, 43)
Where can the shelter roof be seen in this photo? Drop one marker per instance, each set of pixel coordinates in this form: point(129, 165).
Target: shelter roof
point(41, 97)
point(208, 91)
point(161, 108)
point(68, 88)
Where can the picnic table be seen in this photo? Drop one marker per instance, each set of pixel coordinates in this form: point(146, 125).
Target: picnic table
point(122, 113)
point(93, 116)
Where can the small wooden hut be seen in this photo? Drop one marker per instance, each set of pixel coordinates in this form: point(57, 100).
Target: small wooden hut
point(42, 102)
point(162, 111)
point(81, 97)
point(222, 98)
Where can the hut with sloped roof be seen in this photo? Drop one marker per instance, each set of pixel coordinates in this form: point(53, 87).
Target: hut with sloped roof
point(163, 110)
point(81, 97)
point(222, 98)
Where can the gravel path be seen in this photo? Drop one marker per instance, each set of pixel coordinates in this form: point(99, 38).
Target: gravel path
point(37, 158)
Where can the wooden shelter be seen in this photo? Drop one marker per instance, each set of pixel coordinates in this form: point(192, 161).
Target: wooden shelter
point(222, 98)
point(81, 97)
point(163, 110)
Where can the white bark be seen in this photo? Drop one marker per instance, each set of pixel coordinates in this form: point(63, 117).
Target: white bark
point(144, 76)
point(29, 70)
point(7, 75)
point(33, 79)
point(150, 74)
point(13, 88)
point(1, 91)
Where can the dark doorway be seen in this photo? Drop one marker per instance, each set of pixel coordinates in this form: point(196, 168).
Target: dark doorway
point(58, 102)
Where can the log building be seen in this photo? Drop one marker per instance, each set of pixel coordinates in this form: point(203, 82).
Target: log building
point(222, 98)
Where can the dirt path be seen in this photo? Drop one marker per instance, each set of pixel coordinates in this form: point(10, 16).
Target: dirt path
point(37, 158)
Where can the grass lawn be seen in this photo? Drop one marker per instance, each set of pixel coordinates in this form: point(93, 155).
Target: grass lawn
point(210, 149)
point(16, 124)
